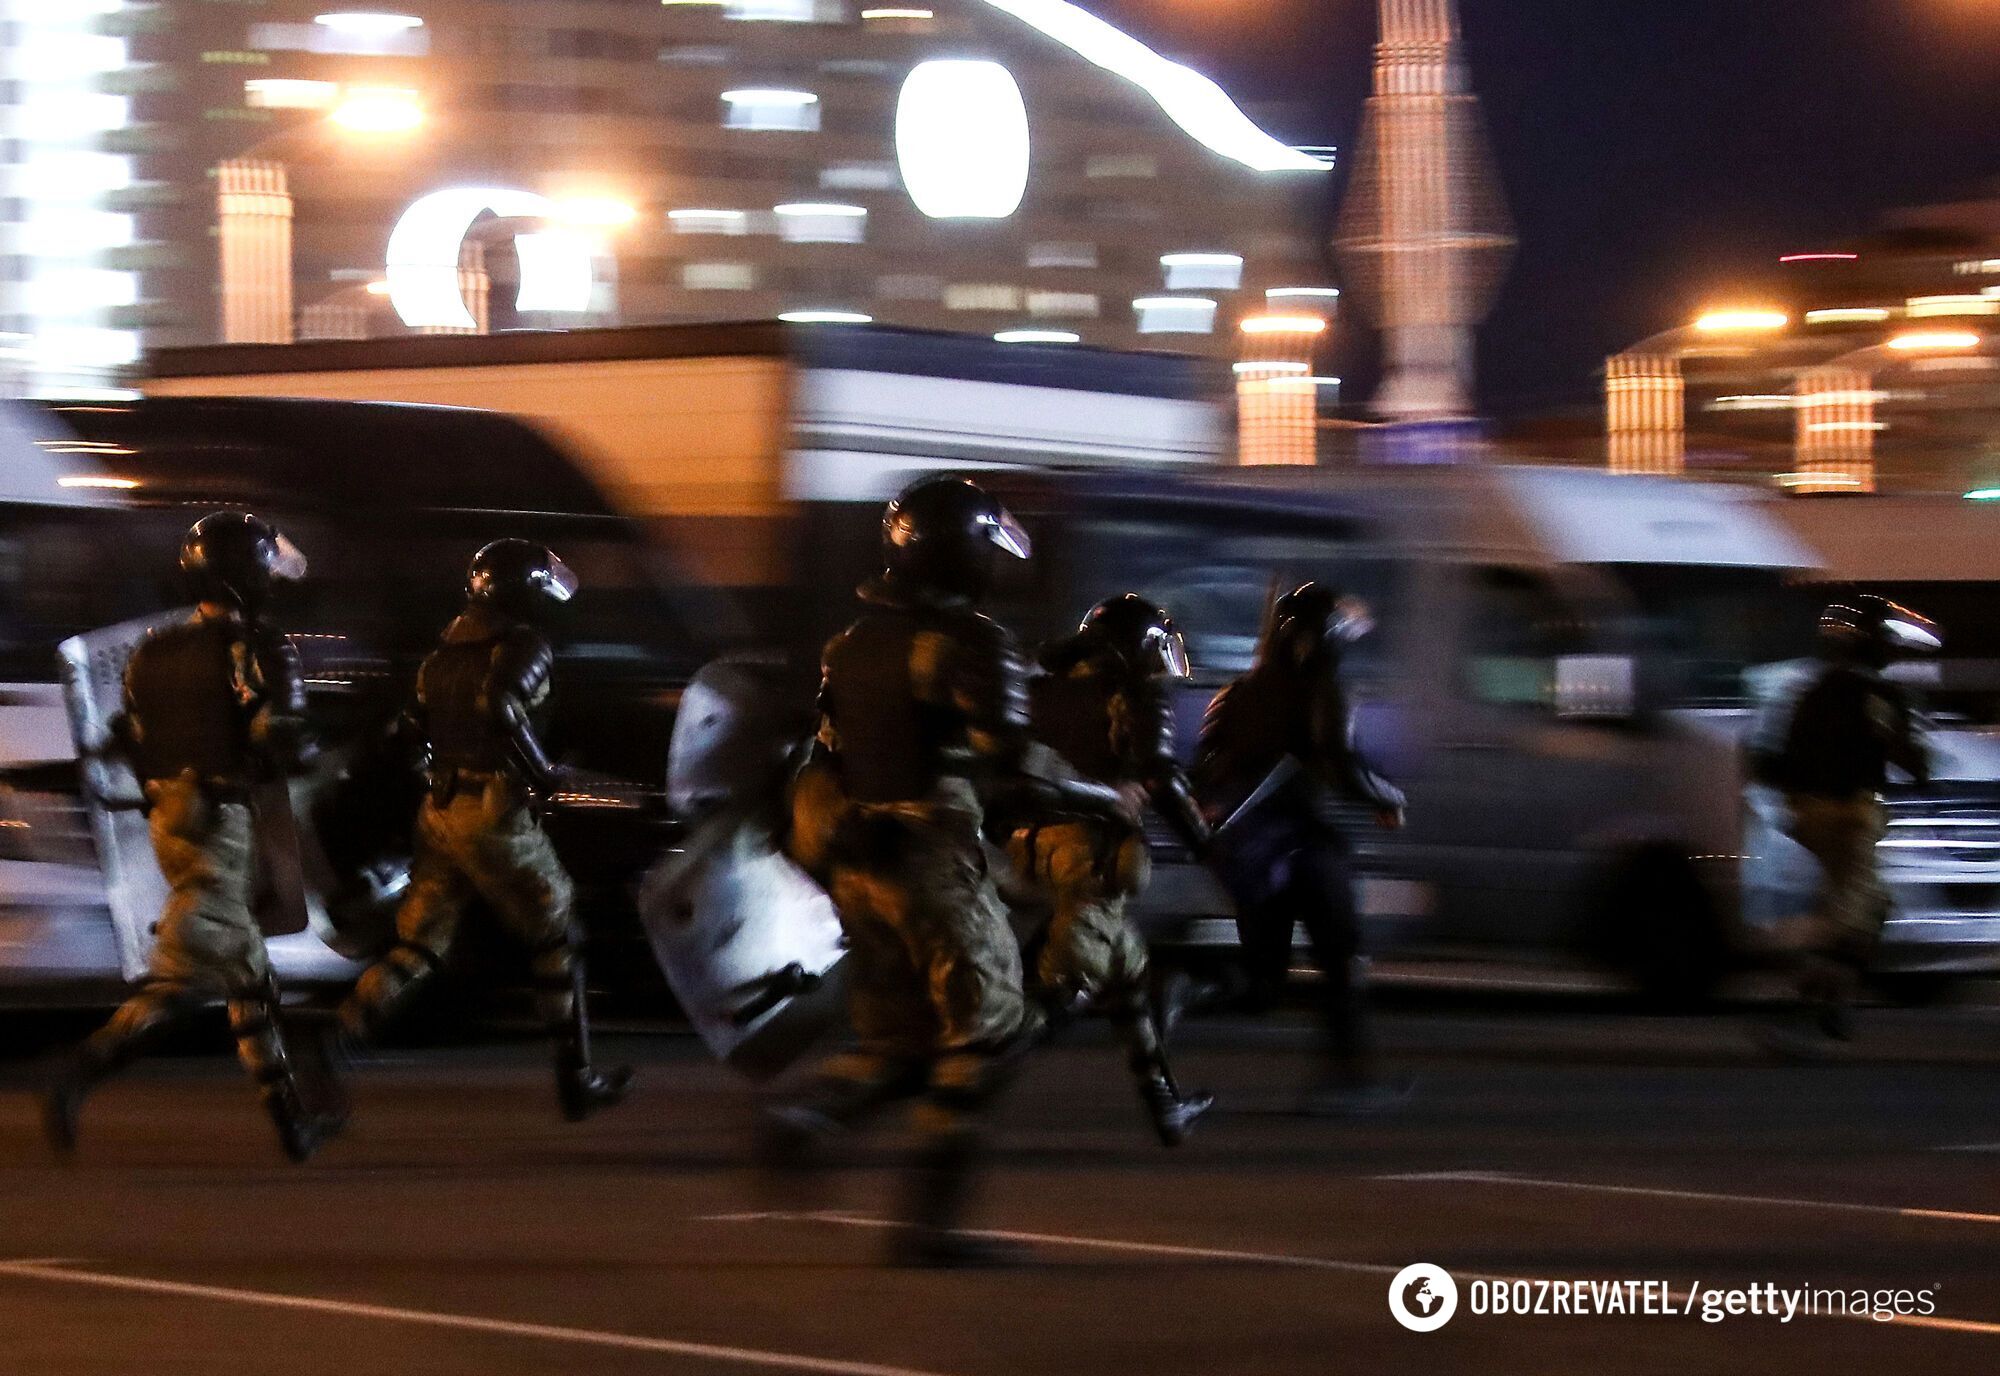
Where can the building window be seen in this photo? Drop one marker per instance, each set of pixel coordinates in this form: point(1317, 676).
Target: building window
point(284, 93)
point(699, 221)
point(1211, 271)
point(816, 222)
point(695, 55)
point(354, 41)
point(1062, 255)
point(899, 18)
point(855, 66)
point(1175, 315)
point(859, 176)
point(719, 277)
point(1076, 304)
point(786, 11)
point(909, 286)
point(1104, 166)
point(982, 296)
point(771, 108)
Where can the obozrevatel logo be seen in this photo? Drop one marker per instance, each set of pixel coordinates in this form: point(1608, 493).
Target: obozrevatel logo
point(1423, 1297)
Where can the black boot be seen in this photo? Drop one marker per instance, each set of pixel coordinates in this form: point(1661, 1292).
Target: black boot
point(303, 1126)
point(581, 1088)
point(929, 1237)
point(62, 1104)
point(1174, 1114)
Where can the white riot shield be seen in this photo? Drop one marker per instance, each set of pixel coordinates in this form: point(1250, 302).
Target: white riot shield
point(92, 666)
point(749, 943)
point(93, 679)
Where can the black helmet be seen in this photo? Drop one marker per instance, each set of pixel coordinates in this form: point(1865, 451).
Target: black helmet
point(1138, 632)
point(1875, 631)
point(518, 578)
point(1314, 615)
point(233, 557)
point(942, 535)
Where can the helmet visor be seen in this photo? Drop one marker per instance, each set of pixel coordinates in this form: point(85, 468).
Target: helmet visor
point(1352, 619)
point(1170, 653)
point(557, 580)
point(1006, 532)
point(288, 561)
point(1909, 633)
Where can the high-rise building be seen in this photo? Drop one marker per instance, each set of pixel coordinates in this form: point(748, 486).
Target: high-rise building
point(187, 171)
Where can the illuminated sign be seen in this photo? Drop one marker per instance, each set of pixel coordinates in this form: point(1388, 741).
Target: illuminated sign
point(424, 249)
point(962, 140)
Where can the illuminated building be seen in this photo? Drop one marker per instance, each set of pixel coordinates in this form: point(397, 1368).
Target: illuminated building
point(1014, 168)
point(1424, 234)
point(1277, 391)
point(1876, 366)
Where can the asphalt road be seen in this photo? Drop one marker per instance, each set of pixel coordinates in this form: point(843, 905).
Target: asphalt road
point(462, 1228)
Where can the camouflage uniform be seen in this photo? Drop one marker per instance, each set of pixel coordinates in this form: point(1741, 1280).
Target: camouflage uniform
point(935, 983)
point(212, 705)
point(478, 837)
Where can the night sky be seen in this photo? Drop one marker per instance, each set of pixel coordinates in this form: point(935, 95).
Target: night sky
point(1656, 154)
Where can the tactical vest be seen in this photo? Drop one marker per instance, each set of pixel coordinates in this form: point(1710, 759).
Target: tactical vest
point(456, 684)
point(1072, 715)
point(180, 689)
point(892, 744)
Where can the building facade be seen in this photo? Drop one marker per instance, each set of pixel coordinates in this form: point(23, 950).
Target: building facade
point(193, 171)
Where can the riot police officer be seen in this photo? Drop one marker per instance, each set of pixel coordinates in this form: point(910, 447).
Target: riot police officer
point(1277, 753)
point(923, 723)
point(478, 700)
point(1102, 704)
point(214, 705)
point(1829, 748)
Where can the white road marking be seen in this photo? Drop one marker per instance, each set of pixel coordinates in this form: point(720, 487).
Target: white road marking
point(1299, 1260)
point(1698, 1196)
point(55, 1272)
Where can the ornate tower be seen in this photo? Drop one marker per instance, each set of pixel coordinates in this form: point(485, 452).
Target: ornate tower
point(1424, 234)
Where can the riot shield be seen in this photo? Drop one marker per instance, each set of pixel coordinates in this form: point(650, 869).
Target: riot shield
point(292, 867)
point(749, 944)
point(92, 666)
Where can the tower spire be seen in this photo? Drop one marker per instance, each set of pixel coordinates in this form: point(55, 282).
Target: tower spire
point(1423, 235)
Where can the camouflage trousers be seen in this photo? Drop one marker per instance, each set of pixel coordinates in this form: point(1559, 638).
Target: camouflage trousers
point(484, 843)
point(935, 984)
point(1091, 953)
point(1851, 904)
point(206, 944)
point(1087, 870)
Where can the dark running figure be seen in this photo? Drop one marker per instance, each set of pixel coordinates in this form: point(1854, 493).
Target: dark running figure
point(1102, 703)
point(1277, 752)
point(479, 697)
point(1829, 749)
point(213, 706)
point(923, 720)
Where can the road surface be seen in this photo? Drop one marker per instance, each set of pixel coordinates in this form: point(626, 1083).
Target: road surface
point(462, 1228)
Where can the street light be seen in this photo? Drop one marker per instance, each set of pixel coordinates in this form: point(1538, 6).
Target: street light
point(377, 110)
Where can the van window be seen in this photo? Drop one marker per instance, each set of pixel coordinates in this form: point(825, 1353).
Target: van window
point(1218, 579)
point(1516, 626)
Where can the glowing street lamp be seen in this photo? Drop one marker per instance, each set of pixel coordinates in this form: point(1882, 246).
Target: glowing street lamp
point(377, 110)
point(1933, 341)
point(1741, 322)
